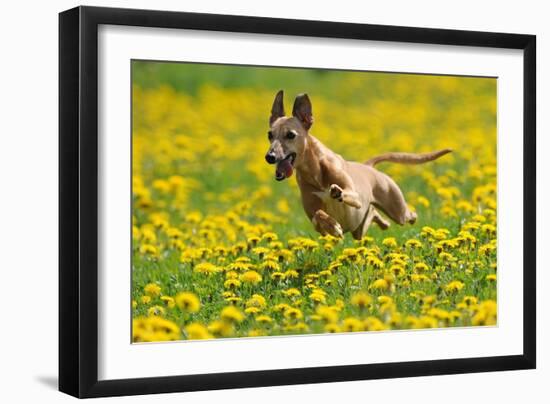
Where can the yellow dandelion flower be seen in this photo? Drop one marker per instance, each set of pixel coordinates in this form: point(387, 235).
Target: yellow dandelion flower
point(260, 251)
point(270, 236)
point(428, 301)
point(380, 284)
point(281, 307)
point(152, 289)
point(256, 300)
point(383, 299)
point(427, 232)
point(136, 233)
point(327, 313)
point(168, 301)
point(174, 233)
point(454, 286)
point(256, 333)
point(325, 273)
point(397, 270)
point(361, 299)
point(486, 313)
point(428, 322)
point(419, 278)
point(291, 273)
point(445, 256)
point(439, 314)
point(231, 283)
point(231, 274)
point(239, 247)
point(352, 324)
point(231, 314)
point(253, 240)
point(263, 319)
point(389, 242)
point(148, 249)
point(276, 245)
point(296, 327)
point(233, 299)
point(188, 301)
point(375, 261)
point(277, 276)
point(413, 243)
point(366, 240)
point(207, 268)
point(488, 229)
point(154, 328)
point(197, 331)
point(291, 292)
point(421, 267)
point(374, 324)
point(148, 235)
point(332, 328)
point(251, 277)
point(292, 313)
point(270, 265)
point(318, 296)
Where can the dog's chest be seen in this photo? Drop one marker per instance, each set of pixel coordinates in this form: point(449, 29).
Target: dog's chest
point(348, 217)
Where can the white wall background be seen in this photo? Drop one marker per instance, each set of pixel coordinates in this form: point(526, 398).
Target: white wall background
point(28, 198)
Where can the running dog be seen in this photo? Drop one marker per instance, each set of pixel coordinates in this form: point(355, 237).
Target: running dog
point(338, 196)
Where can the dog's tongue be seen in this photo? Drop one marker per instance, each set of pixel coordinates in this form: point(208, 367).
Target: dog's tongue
point(284, 169)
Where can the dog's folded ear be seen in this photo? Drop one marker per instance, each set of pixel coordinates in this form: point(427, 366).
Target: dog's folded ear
point(302, 110)
point(278, 109)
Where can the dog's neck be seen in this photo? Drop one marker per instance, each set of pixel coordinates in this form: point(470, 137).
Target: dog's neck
point(310, 170)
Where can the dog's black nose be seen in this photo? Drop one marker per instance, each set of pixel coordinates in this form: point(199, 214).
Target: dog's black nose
point(270, 158)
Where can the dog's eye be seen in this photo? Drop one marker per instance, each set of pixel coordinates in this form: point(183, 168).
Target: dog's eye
point(290, 135)
point(270, 135)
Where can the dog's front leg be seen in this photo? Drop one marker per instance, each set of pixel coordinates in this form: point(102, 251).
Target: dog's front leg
point(347, 196)
point(342, 189)
point(325, 224)
point(314, 208)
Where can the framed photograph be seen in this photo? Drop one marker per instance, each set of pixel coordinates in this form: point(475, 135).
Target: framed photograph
point(251, 201)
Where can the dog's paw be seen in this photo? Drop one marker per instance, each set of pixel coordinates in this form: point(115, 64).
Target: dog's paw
point(336, 192)
point(334, 229)
point(325, 224)
point(411, 217)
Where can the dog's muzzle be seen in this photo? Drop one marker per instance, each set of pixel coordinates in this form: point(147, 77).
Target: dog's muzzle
point(285, 167)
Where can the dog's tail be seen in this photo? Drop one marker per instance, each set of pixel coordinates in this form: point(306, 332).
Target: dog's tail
point(407, 158)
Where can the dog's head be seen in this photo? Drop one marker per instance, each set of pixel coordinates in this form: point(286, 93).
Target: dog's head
point(288, 135)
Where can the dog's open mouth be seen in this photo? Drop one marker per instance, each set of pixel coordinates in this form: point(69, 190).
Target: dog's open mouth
point(285, 167)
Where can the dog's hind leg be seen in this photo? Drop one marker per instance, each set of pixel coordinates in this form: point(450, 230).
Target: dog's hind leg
point(372, 216)
point(389, 198)
point(379, 220)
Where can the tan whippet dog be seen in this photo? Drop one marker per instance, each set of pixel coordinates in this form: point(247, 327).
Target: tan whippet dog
point(339, 196)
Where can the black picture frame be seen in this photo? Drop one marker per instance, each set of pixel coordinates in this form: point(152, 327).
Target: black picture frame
point(78, 200)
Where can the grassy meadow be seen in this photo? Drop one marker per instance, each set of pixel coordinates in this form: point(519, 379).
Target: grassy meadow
point(221, 249)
